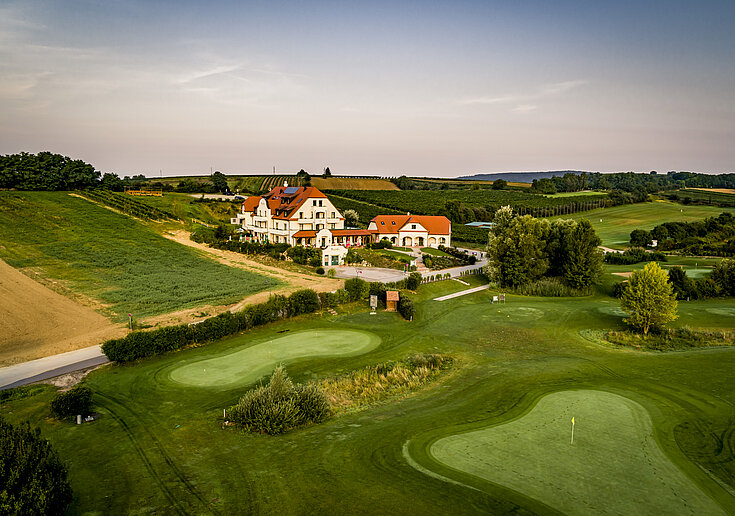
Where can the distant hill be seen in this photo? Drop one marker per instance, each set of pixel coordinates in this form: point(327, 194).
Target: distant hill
point(520, 177)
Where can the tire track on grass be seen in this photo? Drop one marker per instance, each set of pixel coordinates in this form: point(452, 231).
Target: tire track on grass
point(164, 455)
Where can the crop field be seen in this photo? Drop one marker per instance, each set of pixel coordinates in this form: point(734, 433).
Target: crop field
point(613, 225)
point(119, 264)
point(654, 433)
point(183, 207)
point(431, 202)
point(352, 183)
point(714, 196)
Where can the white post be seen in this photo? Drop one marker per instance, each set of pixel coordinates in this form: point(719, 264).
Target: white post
point(79, 419)
point(572, 431)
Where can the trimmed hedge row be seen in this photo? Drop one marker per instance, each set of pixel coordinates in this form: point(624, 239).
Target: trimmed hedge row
point(140, 344)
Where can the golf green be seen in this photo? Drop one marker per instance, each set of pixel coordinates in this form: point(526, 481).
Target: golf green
point(248, 364)
point(614, 466)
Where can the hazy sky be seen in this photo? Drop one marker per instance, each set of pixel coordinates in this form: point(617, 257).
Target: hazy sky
point(371, 87)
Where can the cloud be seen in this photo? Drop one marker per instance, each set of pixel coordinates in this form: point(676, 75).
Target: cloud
point(524, 108)
point(525, 102)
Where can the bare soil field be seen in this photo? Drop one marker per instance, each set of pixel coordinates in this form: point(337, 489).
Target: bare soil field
point(36, 322)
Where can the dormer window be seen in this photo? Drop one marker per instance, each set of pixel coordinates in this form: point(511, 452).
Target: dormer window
point(382, 223)
point(393, 222)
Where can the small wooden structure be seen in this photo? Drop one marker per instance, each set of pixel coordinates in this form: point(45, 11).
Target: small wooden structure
point(391, 300)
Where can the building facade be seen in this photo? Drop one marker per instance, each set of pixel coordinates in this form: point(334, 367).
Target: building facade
point(412, 230)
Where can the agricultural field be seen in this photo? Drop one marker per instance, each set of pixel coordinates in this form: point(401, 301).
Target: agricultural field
point(714, 196)
point(110, 261)
point(183, 207)
point(653, 431)
point(351, 183)
point(431, 202)
point(613, 225)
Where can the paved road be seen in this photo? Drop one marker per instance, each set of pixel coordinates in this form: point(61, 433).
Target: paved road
point(371, 274)
point(49, 367)
point(462, 293)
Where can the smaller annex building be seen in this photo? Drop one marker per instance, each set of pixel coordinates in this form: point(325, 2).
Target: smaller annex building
point(412, 230)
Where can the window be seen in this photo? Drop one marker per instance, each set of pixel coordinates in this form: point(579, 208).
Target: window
point(393, 222)
point(320, 202)
point(301, 214)
point(383, 223)
point(413, 226)
point(333, 215)
point(313, 203)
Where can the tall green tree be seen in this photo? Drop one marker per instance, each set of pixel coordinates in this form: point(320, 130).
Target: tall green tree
point(219, 180)
point(649, 299)
point(583, 264)
point(516, 248)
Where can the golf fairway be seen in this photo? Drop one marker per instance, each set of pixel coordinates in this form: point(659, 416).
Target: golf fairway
point(248, 364)
point(615, 465)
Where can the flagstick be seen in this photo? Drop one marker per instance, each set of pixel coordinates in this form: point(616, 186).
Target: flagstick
point(572, 431)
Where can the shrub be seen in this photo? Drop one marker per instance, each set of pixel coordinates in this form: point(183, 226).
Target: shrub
point(413, 280)
point(549, 287)
point(331, 273)
point(280, 406)
point(405, 307)
point(72, 402)
point(33, 478)
point(357, 289)
point(320, 270)
point(303, 302)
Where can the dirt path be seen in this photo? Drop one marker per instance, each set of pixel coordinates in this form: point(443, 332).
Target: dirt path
point(36, 322)
point(295, 281)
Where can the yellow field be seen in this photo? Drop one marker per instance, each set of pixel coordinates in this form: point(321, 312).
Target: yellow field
point(718, 190)
point(349, 183)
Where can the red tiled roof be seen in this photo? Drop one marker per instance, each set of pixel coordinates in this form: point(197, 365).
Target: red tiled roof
point(305, 233)
point(283, 206)
point(434, 224)
point(391, 295)
point(351, 232)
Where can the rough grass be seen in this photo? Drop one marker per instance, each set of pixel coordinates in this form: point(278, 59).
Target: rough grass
point(112, 258)
point(382, 381)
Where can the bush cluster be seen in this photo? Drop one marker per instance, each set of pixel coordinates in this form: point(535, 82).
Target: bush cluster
point(405, 307)
point(77, 401)
point(459, 254)
point(550, 287)
point(634, 255)
point(280, 405)
point(32, 477)
point(714, 236)
point(669, 339)
point(719, 283)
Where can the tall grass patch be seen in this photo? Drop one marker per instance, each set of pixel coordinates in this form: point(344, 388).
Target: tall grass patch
point(382, 381)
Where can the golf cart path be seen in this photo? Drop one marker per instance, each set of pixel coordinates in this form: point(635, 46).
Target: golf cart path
point(462, 293)
point(50, 367)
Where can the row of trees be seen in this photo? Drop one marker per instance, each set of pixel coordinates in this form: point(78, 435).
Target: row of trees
point(524, 249)
point(55, 172)
point(713, 236)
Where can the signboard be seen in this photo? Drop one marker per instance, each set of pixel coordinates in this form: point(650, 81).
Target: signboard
point(373, 302)
point(502, 297)
point(495, 299)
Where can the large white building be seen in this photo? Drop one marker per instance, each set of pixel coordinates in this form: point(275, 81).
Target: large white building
point(297, 216)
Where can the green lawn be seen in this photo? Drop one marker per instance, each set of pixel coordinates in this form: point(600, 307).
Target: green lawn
point(159, 445)
point(113, 258)
point(612, 463)
point(433, 252)
point(613, 225)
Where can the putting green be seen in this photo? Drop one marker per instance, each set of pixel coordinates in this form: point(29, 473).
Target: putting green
point(249, 364)
point(615, 465)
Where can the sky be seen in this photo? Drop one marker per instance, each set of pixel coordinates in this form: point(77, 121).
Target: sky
point(389, 88)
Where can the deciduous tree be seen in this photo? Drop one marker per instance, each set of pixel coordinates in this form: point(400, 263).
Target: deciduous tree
point(649, 299)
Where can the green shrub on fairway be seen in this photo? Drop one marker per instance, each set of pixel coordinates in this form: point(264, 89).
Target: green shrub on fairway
point(405, 307)
point(77, 401)
point(280, 405)
point(32, 477)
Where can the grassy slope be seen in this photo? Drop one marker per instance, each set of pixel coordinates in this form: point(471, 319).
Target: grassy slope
point(619, 221)
point(160, 445)
point(111, 257)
